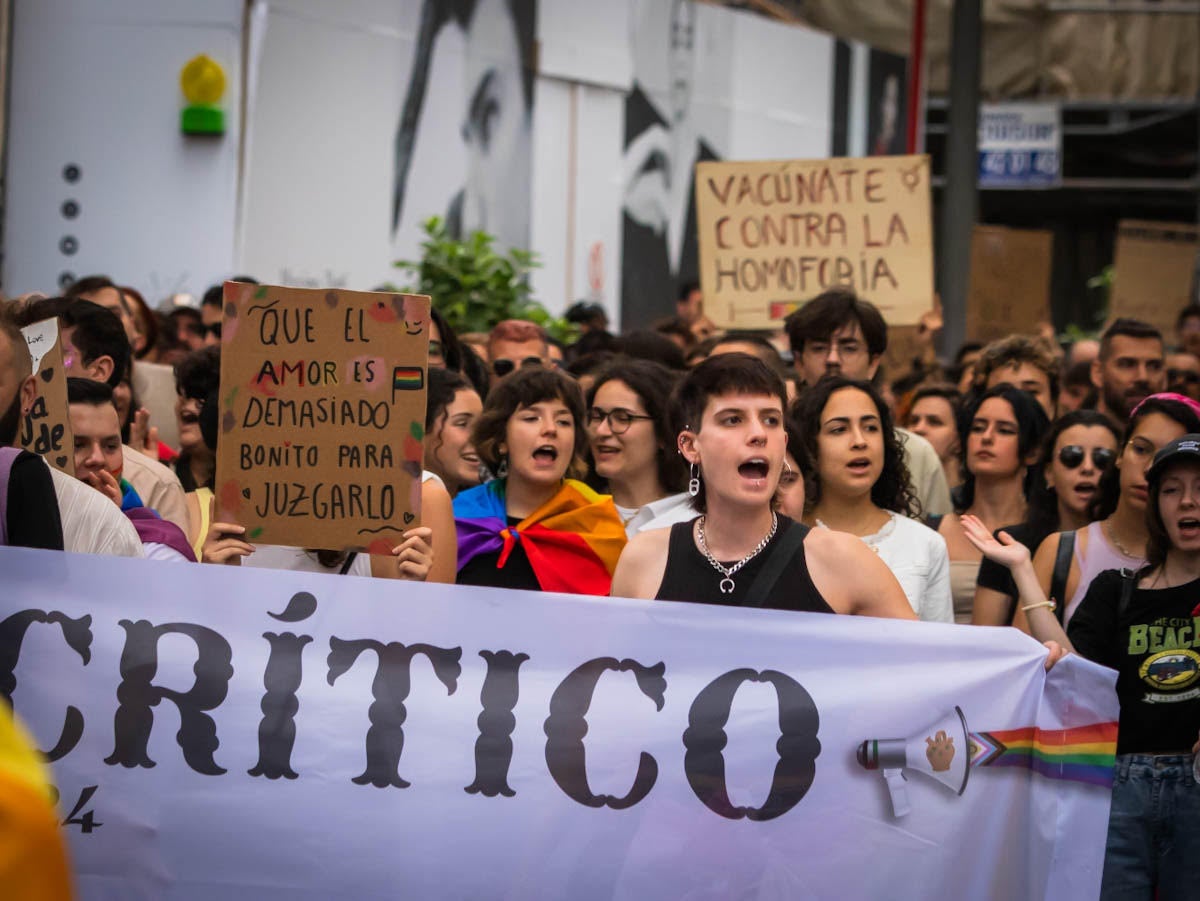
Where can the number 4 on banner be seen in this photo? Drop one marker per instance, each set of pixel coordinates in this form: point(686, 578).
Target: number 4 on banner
point(88, 821)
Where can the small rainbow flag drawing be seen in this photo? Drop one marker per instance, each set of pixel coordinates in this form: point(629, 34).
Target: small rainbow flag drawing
point(408, 378)
point(1081, 754)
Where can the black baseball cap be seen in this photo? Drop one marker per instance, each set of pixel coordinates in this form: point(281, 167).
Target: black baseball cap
point(1185, 448)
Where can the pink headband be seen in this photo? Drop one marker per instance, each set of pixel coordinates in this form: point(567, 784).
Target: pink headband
point(1169, 395)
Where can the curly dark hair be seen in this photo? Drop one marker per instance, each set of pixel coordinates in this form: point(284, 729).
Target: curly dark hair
point(1108, 492)
point(652, 383)
point(524, 388)
point(1032, 423)
point(892, 490)
point(199, 373)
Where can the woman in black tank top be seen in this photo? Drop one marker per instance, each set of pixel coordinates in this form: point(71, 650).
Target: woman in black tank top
point(690, 577)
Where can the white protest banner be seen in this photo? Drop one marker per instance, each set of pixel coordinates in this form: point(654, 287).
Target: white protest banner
point(233, 733)
point(774, 234)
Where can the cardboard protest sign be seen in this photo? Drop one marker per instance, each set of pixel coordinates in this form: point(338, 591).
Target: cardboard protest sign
point(774, 234)
point(322, 413)
point(46, 430)
point(1154, 267)
point(1010, 281)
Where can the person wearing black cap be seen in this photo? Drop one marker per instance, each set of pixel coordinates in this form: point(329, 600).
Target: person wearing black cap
point(1144, 625)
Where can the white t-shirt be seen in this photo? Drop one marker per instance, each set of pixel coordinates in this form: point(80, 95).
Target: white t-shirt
point(917, 557)
point(93, 524)
point(659, 514)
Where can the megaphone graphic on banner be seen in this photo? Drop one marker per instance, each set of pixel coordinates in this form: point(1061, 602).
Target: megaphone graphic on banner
point(941, 752)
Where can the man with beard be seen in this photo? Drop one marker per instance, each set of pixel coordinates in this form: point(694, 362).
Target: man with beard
point(86, 522)
point(28, 514)
point(1131, 367)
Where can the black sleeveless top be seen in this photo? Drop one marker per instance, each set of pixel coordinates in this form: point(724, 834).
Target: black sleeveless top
point(690, 577)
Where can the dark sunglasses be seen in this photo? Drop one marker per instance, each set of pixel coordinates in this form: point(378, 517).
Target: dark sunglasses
point(503, 367)
point(619, 419)
point(1072, 456)
point(213, 328)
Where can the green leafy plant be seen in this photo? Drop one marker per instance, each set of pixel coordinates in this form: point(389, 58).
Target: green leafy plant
point(474, 286)
point(1100, 289)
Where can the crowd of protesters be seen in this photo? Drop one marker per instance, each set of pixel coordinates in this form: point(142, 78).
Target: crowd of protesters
point(1053, 489)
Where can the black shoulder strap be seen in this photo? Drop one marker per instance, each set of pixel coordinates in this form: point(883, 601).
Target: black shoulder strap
point(1129, 580)
point(1062, 569)
point(781, 555)
point(349, 562)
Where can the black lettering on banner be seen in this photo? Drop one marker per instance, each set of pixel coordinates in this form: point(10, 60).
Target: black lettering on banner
point(494, 747)
point(134, 719)
point(798, 746)
point(277, 728)
point(385, 738)
point(78, 635)
point(86, 821)
point(566, 726)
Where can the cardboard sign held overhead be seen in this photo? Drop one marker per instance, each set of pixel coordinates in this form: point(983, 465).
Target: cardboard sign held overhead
point(775, 234)
point(1010, 281)
point(322, 413)
point(46, 430)
point(1154, 267)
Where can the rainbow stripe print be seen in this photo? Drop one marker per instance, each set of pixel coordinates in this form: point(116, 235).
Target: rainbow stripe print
point(408, 378)
point(1081, 754)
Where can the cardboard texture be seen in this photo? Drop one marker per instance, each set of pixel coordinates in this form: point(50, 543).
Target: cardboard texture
point(1010, 281)
point(775, 234)
point(322, 415)
point(1153, 272)
point(46, 430)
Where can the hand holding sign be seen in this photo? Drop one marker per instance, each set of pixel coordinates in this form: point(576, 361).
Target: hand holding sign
point(322, 410)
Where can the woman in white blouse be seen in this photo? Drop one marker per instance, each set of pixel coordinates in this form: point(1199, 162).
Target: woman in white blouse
point(857, 483)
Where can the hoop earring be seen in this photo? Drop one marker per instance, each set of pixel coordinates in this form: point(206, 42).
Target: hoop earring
point(502, 469)
point(694, 481)
point(787, 469)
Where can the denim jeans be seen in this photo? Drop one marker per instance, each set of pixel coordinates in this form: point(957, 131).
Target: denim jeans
point(1153, 831)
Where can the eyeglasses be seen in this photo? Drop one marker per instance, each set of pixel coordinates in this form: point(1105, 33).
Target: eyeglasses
point(1072, 456)
point(503, 367)
point(1182, 377)
point(619, 419)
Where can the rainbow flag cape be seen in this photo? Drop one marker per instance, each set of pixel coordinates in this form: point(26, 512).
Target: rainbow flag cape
point(572, 541)
point(1082, 754)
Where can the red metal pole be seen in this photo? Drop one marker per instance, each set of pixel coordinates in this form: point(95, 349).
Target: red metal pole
point(916, 72)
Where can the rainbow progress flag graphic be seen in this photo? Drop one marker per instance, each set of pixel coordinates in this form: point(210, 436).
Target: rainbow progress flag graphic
point(572, 541)
point(1082, 754)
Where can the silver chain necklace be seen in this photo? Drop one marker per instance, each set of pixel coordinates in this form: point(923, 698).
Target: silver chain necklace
point(727, 585)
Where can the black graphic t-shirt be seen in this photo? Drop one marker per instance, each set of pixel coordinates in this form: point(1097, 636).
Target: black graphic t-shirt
point(1155, 649)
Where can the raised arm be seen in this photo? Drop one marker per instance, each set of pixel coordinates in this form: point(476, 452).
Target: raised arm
point(1031, 599)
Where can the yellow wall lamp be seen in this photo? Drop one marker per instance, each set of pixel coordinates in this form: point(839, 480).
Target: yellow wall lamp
point(203, 84)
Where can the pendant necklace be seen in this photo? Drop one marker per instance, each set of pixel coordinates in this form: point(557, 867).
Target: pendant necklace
point(727, 585)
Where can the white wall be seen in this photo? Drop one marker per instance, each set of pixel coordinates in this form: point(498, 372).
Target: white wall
point(97, 85)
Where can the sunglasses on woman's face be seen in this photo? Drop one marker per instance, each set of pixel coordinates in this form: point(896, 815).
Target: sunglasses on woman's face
point(503, 367)
point(1072, 456)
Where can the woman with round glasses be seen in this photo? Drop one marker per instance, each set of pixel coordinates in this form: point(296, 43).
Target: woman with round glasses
point(1116, 537)
point(632, 446)
point(1077, 451)
point(532, 527)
